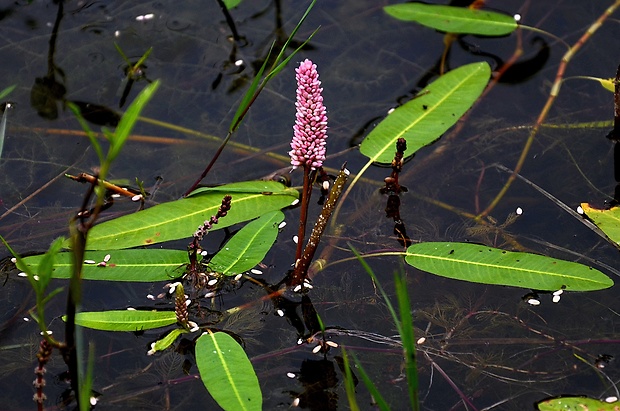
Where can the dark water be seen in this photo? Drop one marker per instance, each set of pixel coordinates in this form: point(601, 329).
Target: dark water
point(494, 348)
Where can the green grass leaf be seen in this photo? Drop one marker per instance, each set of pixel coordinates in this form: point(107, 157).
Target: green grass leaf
point(125, 320)
point(227, 373)
point(607, 220)
point(129, 120)
point(249, 246)
point(487, 265)
point(123, 265)
point(180, 219)
point(451, 19)
point(425, 118)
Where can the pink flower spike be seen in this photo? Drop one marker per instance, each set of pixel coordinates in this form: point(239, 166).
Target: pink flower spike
point(310, 129)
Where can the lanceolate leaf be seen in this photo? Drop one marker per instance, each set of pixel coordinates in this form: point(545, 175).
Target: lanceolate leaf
point(257, 186)
point(122, 265)
point(607, 220)
point(125, 320)
point(425, 118)
point(180, 219)
point(227, 373)
point(451, 19)
point(249, 246)
point(487, 265)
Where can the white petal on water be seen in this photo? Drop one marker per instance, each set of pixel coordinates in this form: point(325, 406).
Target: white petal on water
point(558, 292)
point(580, 210)
point(519, 211)
point(295, 239)
point(256, 271)
point(421, 340)
point(556, 299)
point(316, 349)
point(282, 225)
point(533, 301)
point(291, 374)
point(280, 312)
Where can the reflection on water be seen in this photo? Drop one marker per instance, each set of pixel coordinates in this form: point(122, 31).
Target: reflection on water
point(484, 345)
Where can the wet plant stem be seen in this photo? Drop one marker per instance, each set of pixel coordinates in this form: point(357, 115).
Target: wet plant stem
point(555, 90)
point(301, 265)
point(306, 193)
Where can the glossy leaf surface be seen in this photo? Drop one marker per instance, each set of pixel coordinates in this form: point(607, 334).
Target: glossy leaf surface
point(125, 320)
point(451, 19)
point(123, 265)
point(607, 220)
point(180, 219)
point(249, 246)
point(227, 373)
point(487, 265)
point(424, 119)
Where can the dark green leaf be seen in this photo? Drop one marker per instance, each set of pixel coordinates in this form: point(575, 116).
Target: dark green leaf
point(249, 246)
point(125, 320)
point(487, 265)
point(425, 118)
point(227, 373)
point(451, 19)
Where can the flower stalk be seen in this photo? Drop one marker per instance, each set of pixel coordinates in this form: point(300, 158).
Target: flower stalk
point(309, 137)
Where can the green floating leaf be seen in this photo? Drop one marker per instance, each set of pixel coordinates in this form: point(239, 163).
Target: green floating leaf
point(227, 373)
point(249, 246)
point(257, 186)
point(451, 19)
point(607, 220)
point(180, 219)
point(576, 404)
point(123, 265)
point(487, 265)
point(425, 118)
point(231, 3)
point(165, 342)
point(125, 320)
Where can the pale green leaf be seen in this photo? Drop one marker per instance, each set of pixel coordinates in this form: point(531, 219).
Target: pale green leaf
point(227, 373)
point(180, 219)
point(487, 265)
point(424, 119)
point(452, 19)
point(576, 404)
point(125, 320)
point(607, 220)
point(248, 246)
point(124, 265)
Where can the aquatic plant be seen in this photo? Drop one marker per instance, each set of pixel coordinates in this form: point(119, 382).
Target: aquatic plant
point(115, 248)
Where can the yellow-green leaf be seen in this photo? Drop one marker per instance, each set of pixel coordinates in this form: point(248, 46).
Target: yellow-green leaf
point(452, 19)
point(607, 220)
point(227, 373)
point(488, 265)
point(424, 119)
